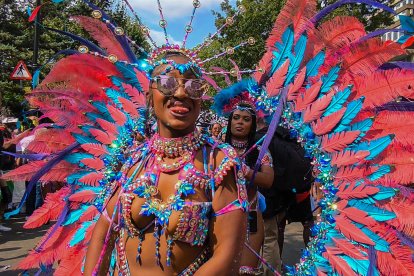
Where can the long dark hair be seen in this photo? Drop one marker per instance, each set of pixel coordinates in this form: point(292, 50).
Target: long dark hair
point(251, 158)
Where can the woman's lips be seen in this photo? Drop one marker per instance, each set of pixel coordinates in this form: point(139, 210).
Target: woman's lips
point(239, 129)
point(179, 111)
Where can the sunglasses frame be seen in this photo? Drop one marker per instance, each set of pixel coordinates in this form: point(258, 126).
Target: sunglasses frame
point(202, 82)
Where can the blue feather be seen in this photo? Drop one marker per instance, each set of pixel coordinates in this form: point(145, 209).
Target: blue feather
point(117, 81)
point(114, 94)
point(329, 79)
point(224, 96)
point(383, 170)
point(103, 109)
point(284, 49)
point(294, 65)
point(84, 139)
point(79, 235)
point(129, 74)
point(384, 193)
point(359, 266)
point(376, 213)
point(74, 178)
point(375, 147)
point(76, 157)
point(407, 23)
point(380, 244)
point(35, 80)
point(312, 68)
point(362, 126)
point(338, 100)
point(351, 112)
point(93, 116)
point(92, 47)
point(74, 215)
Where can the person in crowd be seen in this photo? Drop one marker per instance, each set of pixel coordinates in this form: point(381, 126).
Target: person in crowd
point(6, 164)
point(240, 134)
point(216, 131)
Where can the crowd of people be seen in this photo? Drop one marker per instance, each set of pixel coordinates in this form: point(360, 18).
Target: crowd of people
point(15, 137)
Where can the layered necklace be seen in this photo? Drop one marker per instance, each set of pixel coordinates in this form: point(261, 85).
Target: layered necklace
point(183, 151)
point(239, 144)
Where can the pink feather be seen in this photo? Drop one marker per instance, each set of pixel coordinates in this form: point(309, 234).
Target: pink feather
point(348, 157)
point(101, 33)
point(275, 83)
point(337, 263)
point(95, 149)
point(297, 84)
point(353, 191)
point(137, 97)
point(350, 231)
point(144, 82)
point(92, 178)
point(84, 196)
point(316, 109)
point(302, 102)
point(118, 116)
point(338, 141)
point(349, 249)
point(93, 163)
point(350, 173)
point(326, 124)
point(129, 107)
point(50, 210)
point(101, 136)
point(110, 128)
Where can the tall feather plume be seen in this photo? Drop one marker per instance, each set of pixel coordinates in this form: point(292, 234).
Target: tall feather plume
point(101, 33)
point(317, 108)
point(276, 81)
point(338, 141)
point(384, 86)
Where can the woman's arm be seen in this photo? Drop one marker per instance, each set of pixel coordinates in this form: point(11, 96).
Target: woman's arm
point(264, 177)
point(96, 244)
point(227, 232)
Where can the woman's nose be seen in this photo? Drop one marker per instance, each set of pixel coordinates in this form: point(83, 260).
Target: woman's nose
point(180, 92)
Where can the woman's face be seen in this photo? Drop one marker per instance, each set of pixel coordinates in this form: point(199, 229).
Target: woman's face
point(240, 124)
point(178, 113)
point(215, 130)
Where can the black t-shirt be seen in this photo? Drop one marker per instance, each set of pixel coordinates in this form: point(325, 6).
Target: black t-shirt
point(6, 161)
point(293, 172)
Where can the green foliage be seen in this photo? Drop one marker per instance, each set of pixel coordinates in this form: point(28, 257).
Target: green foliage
point(372, 18)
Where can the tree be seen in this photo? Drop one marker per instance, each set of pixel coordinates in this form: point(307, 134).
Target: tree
point(16, 35)
point(257, 22)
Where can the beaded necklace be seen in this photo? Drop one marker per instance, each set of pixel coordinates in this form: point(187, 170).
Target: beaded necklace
point(146, 186)
point(239, 144)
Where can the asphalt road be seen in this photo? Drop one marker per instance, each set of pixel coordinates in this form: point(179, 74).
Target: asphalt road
point(15, 244)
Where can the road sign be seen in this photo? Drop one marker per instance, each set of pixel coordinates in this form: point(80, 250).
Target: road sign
point(21, 72)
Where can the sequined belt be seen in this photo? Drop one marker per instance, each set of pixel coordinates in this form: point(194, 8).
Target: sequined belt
point(197, 263)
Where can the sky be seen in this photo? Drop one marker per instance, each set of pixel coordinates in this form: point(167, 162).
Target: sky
point(177, 14)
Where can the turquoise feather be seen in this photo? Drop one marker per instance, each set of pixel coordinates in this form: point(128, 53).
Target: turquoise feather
point(84, 139)
point(329, 79)
point(362, 126)
point(114, 94)
point(76, 157)
point(295, 62)
point(74, 215)
point(351, 112)
point(376, 213)
point(359, 266)
point(74, 178)
point(383, 170)
point(313, 66)
point(375, 147)
point(338, 101)
point(103, 110)
point(129, 74)
point(380, 244)
point(284, 49)
point(80, 234)
point(93, 116)
point(384, 193)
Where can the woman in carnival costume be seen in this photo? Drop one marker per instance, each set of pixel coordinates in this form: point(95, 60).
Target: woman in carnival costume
point(241, 130)
point(340, 88)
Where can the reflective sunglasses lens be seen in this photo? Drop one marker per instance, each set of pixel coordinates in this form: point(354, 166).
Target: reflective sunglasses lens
point(166, 85)
point(194, 89)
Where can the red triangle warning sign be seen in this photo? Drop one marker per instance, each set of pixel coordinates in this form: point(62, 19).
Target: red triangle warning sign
point(21, 72)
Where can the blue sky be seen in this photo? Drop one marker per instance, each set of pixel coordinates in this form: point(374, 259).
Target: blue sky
point(177, 13)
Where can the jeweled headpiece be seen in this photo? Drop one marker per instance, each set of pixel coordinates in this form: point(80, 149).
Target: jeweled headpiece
point(157, 56)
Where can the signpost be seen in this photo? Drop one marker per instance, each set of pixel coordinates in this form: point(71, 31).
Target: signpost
point(21, 72)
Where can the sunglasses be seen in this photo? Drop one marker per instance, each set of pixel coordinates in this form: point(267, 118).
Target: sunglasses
point(168, 85)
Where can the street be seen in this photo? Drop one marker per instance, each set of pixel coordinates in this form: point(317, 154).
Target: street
point(15, 244)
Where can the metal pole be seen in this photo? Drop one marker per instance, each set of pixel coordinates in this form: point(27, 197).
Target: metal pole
point(36, 37)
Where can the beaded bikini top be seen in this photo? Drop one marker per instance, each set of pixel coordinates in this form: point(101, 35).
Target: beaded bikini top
point(194, 217)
